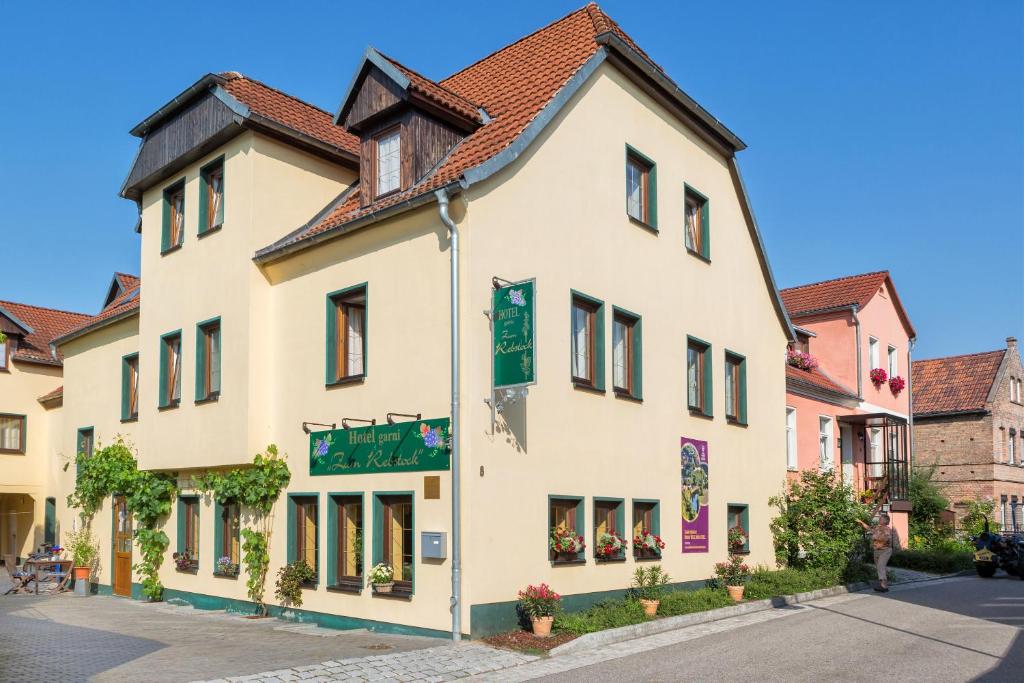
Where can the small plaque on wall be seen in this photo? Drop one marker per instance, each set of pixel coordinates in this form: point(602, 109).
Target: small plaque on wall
point(432, 487)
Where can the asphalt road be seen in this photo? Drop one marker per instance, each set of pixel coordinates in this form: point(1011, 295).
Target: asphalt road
point(968, 629)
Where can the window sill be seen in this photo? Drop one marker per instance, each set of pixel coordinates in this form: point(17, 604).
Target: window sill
point(170, 406)
point(647, 558)
point(343, 381)
point(627, 396)
point(568, 563)
point(191, 570)
point(226, 575)
point(696, 412)
point(698, 255)
point(739, 552)
point(610, 560)
point(126, 420)
point(586, 386)
point(643, 224)
point(343, 587)
point(213, 398)
point(735, 422)
point(170, 250)
point(395, 594)
point(5, 451)
point(209, 231)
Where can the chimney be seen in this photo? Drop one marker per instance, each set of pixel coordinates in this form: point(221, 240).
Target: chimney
point(1011, 343)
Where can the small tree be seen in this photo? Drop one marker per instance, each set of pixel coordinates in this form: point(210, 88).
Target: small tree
point(973, 523)
point(817, 523)
point(927, 530)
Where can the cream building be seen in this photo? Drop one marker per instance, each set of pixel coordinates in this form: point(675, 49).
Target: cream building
point(296, 270)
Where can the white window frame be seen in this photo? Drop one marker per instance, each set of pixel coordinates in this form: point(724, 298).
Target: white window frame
point(826, 436)
point(873, 353)
point(893, 358)
point(791, 454)
point(389, 180)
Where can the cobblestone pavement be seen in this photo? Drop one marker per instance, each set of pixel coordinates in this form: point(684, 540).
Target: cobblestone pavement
point(64, 638)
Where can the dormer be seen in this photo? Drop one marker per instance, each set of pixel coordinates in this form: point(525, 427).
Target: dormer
point(405, 122)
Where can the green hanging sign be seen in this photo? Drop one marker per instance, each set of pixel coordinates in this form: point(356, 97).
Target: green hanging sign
point(512, 338)
point(417, 446)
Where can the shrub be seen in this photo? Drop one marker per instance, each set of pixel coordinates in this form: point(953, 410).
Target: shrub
point(973, 523)
point(764, 583)
point(933, 561)
point(603, 615)
point(733, 572)
point(83, 547)
point(649, 582)
point(688, 602)
point(539, 601)
point(290, 580)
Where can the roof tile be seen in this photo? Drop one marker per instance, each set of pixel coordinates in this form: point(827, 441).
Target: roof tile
point(46, 323)
point(844, 291)
point(955, 383)
point(817, 379)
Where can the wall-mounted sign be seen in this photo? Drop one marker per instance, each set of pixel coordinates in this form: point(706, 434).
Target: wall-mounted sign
point(693, 474)
point(512, 323)
point(417, 446)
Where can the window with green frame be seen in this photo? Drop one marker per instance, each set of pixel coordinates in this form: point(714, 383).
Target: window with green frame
point(697, 222)
point(211, 196)
point(627, 353)
point(84, 439)
point(227, 538)
point(187, 557)
point(170, 369)
point(735, 388)
point(738, 517)
point(346, 334)
point(646, 529)
point(394, 539)
point(565, 516)
point(130, 387)
point(609, 518)
point(208, 352)
point(641, 188)
point(699, 394)
point(586, 341)
point(345, 556)
point(304, 531)
point(173, 233)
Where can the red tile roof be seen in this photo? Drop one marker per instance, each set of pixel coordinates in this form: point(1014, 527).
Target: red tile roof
point(956, 383)
point(123, 305)
point(817, 379)
point(513, 85)
point(844, 291)
point(46, 323)
point(289, 111)
point(52, 396)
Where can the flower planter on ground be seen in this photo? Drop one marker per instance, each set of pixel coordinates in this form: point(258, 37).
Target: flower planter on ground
point(540, 603)
point(735, 592)
point(649, 586)
point(542, 626)
point(81, 573)
point(650, 607)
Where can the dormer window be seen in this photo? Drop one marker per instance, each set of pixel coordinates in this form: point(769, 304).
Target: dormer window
point(387, 158)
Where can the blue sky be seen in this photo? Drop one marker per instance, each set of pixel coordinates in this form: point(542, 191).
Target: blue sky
point(881, 134)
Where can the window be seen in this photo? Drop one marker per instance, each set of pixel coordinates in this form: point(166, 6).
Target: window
point(735, 388)
point(387, 148)
point(188, 533)
point(893, 362)
point(170, 369)
point(83, 445)
point(565, 515)
point(5, 354)
point(393, 537)
point(208, 360)
point(130, 387)
point(587, 339)
point(346, 334)
point(873, 353)
point(1012, 452)
point(791, 460)
point(641, 188)
point(227, 533)
point(211, 197)
point(303, 531)
point(12, 433)
point(802, 343)
point(738, 519)
point(626, 354)
point(825, 458)
point(646, 522)
point(1002, 511)
point(608, 519)
point(697, 223)
point(345, 550)
point(875, 464)
point(698, 376)
point(174, 217)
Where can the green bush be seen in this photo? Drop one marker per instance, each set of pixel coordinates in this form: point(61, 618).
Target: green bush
point(688, 602)
point(605, 614)
point(933, 561)
point(764, 583)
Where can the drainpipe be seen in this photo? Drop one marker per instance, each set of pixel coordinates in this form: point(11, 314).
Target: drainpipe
point(860, 369)
point(456, 599)
point(910, 396)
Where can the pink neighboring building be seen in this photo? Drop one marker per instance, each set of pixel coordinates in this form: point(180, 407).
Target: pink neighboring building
point(838, 414)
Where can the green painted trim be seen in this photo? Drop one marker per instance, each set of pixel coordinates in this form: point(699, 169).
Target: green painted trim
point(705, 221)
point(78, 442)
point(331, 338)
point(181, 523)
point(162, 400)
point(202, 360)
point(333, 500)
point(292, 541)
point(620, 520)
point(165, 234)
point(709, 393)
point(636, 353)
point(581, 525)
point(50, 521)
point(655, 513)
point(204, 183)
point(218, 531)
point(378, 529)
point(742, 382)
point(598, 336)
point(126, 384)
point(652, 185)
point(498, 617)
point(744, 520)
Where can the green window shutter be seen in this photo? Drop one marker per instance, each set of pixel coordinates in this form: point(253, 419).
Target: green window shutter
point(599, 346)
point(656, 519)
point(581, 524)
point(746, 525)
point(201, 361)
point(181, 525)
point(203, 184)
point(638, 359)
point(743, 391)
point(378, 530)
point(705, 228)
point(218, 531)
point(162, 400)
point(709, 392)
point(292, 541)
point(331, 341)
point(332, 540)
point(50, 522)
point(652, 194)
point(125, 388)
point(620, 518)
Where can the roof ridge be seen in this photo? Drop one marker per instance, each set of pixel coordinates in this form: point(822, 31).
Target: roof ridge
point(836, 279)
point(45, 308)
point(427, 78)
point(515, 42)
point(117, 272)
point(243, 77)
point(960, 355)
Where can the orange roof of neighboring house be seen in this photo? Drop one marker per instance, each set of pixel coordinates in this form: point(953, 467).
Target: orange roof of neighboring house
point(817, 379)
point(44, 324)
point(52, 396)
point(513, 85)
point(855, 290)
point(123, 305)
point(954, 384)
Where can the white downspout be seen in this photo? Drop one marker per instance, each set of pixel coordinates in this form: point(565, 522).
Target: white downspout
point(456, 599)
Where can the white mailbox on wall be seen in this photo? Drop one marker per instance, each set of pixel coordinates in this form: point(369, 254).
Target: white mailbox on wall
point(434, 545)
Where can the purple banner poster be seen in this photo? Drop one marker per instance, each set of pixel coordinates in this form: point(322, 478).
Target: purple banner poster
point(693, 475)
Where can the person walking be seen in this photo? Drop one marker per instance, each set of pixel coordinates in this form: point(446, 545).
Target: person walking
point(881, 543)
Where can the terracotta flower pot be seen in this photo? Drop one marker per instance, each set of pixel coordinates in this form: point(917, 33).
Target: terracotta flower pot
point(542, 626)
point(735, 592)
point(383, 587)
point(650, 607)
point(81, 573)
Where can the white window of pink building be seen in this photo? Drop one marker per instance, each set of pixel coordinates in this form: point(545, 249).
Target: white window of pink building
point(826, 460)
point(894, 368)
point(873, 353)
point(791, 461)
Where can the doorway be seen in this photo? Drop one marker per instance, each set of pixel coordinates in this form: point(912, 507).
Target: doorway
point(122, 570)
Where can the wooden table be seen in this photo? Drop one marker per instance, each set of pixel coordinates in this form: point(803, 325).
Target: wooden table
point(63, 565)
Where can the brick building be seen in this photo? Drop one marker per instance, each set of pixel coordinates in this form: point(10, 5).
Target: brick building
point(969, 422)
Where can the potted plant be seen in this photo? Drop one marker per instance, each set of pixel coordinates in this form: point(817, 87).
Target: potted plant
point(647, 544)
point(565, 543)
point(84, 550)
point(609, 546)
point(878, 377)
point(225, 567)
point(382, 578)
point(649, 585)
point(733, 574)
point(290, 581)
point(183, 561)
point(897, 384)
point(540, 603)
point(737, 539)
point(801, 360)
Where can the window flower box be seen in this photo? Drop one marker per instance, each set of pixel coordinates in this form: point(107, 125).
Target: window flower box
point(647, 545)
point(897, 384)
point(801, 360)
point(225, 567)
point(878, 377)
point(610, 547)
point(565, 545)
point(184, 562)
